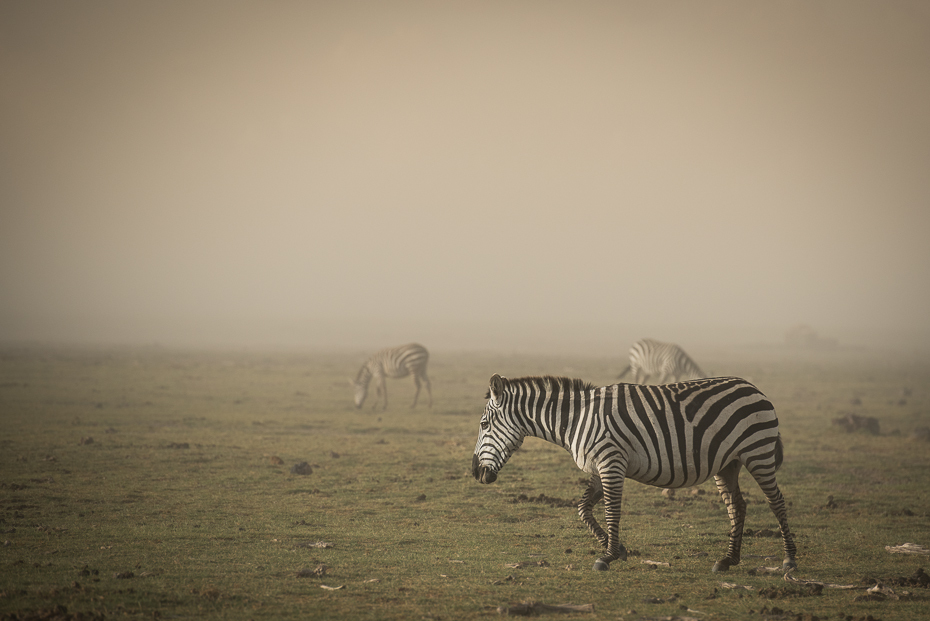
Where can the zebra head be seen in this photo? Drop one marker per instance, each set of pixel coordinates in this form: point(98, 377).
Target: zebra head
point(361, 391)
point(498, 435)
point(360, 385)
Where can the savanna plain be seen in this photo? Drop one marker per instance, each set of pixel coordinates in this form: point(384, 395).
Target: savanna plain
point(140, 483)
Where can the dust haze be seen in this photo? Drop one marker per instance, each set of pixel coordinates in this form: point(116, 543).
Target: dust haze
point(484, 175)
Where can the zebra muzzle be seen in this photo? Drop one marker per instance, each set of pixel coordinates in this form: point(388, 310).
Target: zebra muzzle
point(482, 473)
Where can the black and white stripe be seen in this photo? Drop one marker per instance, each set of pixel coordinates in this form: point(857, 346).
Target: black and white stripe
point(664, 362)
point(394, 362)
point(671, 436)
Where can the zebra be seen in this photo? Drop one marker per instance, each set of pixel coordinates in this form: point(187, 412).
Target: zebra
point(667, 361)
point(670, 436)
point(393, 362)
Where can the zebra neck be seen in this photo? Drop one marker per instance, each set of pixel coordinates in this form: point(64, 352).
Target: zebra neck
point(364, 375)
point(555, 417)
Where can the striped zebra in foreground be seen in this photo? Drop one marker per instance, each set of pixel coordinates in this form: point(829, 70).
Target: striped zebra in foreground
point(671, 436)
point(666, 361)
point(394, 362)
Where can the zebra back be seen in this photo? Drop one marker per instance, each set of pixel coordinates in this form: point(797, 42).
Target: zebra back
point(397, 361)
point(665, 361)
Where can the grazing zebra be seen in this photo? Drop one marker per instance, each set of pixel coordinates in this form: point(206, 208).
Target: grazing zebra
point(667, 361)
point(670, 436)
point(393, 362)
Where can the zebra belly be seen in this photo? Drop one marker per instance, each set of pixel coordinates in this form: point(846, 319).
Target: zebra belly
point(586, 464)
point(641, 473)
point(392, 373)
point(667, 483)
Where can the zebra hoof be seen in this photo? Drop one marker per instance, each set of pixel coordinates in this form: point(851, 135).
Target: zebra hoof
point(600, 565)
point(721, 566)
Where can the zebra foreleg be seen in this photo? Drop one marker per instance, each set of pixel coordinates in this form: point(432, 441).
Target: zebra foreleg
point(377, 399)
point(383, 392)
point(416, 395)
point(728, 486)
point(592, 495)
point(611, 479)
point(429, 389)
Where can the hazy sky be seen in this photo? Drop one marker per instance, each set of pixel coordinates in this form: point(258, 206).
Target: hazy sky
point(326, 173)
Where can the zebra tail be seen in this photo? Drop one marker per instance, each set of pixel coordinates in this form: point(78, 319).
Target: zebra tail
point(779, 452)
point(625, 371)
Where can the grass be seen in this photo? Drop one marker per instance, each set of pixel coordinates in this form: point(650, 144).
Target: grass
point(159, 464)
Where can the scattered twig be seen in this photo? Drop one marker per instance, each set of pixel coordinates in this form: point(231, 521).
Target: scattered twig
point(880, 593)
point(660, 600)
point(534, 608)
point(521, 565)
point(908, 548)
point(792, 579)
point(733, 585)
point(883, 590)
point(330, 588)
point(314, 544)
point(656, 563)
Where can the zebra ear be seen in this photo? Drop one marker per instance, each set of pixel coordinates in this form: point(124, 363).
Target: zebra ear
point(496, 387)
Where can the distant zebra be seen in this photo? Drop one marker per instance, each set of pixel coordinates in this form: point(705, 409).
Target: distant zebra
point(666, 361)
point(394, 362)
point(671, 436)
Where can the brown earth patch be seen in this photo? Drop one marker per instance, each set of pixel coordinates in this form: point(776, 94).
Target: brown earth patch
point(807, 590)
point(918, 579)
point(542, 499)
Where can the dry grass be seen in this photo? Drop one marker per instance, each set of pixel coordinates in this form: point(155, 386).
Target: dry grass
point(160, 465)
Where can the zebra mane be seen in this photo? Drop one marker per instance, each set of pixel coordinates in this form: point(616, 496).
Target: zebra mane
point(545, 383)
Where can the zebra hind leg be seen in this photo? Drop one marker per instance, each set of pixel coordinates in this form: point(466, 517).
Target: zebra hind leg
point(429, 389)
point(592, 495)
point(777, 505)
point(728, 486)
